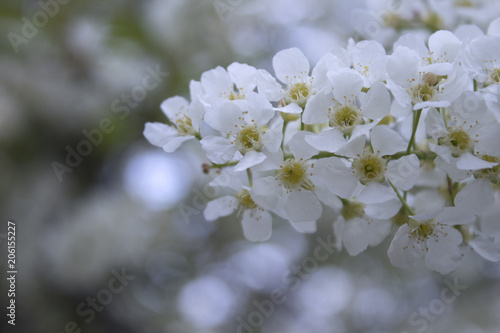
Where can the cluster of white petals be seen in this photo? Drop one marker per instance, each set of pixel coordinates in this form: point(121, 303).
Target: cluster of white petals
point(403, 145)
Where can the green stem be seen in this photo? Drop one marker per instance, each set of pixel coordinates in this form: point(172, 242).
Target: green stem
point(219, 166)
point(285, 123)
point(451, 190)
point(250, 179)
point(475, 85)
point(416, 119)
point(325, 154)
point(403, 201)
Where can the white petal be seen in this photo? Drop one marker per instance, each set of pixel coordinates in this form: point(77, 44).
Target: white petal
point(260, 110)
point(404, 251)
point(225, 117)
point(216, 82)
point(308, 227)
point(326, 63)
point(476, 197)
point(174, 143)
point(273, 137)
point(376, 193)
point(455, 216)
point(243, 76)
point(300, 148)
point(175, 107)
point(316, 110)
point(219, 150)
point(338, 230)
point(257, 225)
point(486, 248)
point(494, 28)
point(268, 86)
point(353, 148)
point(330, 140)
point(444, 45)
point(346, 85)
point(403, 67)
point(450, 168)
point(467, 32)
point(470, 162)
point(249, 160)
point(159, 134)
point(292, 108)
point(327, 197)
point(384, 210)
point(332, 173)
point(403, 173)
point(435, 124)
point(196, 113)
point(386, 141)
point(290, 64)
point(303, 206)
point(444, 253)
point(359, 234)
point(377, 102)
point(414, 42)
point(220, 207)
point(265, 192)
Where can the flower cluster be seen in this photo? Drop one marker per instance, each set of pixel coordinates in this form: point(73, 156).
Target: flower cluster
point(406, 143)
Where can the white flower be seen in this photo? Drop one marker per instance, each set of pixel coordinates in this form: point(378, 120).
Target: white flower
point(245, 132)
point(367, 57)
point(233, 84)
point(485, 59)
point(485, 238)
point(432, 237)
point(255, 220)
point(185, 124)
point(470, 131)
point(349, 108)
point(301, 91)
point(415, 85)
point(300, 184)
point(359, 225)
point(371, 169)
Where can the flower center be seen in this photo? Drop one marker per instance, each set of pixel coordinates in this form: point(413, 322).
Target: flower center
point(493, 78)
point(458, 140)
point(345, 118)
point(298, 93)
point(426, 90)
point(185, 126)
point(249, 139)
point(233, 96)
point(245, 200)
point(293, 174)
point(369, 168)
point(492, 172)
point(422, 230)
point(352, 209)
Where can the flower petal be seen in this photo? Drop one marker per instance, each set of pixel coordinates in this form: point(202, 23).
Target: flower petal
point(175, 107)
point(403, 173)
point(404, 251)
point(386, 141)
point(219, 150)
point(291, 64)
point(159, 134)
point(257, 225)
point(220, 207)
point(444, 253)
point(303, 206)
point(377, 102)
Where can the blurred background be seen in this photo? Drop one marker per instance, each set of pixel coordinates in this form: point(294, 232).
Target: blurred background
point(110, 230)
